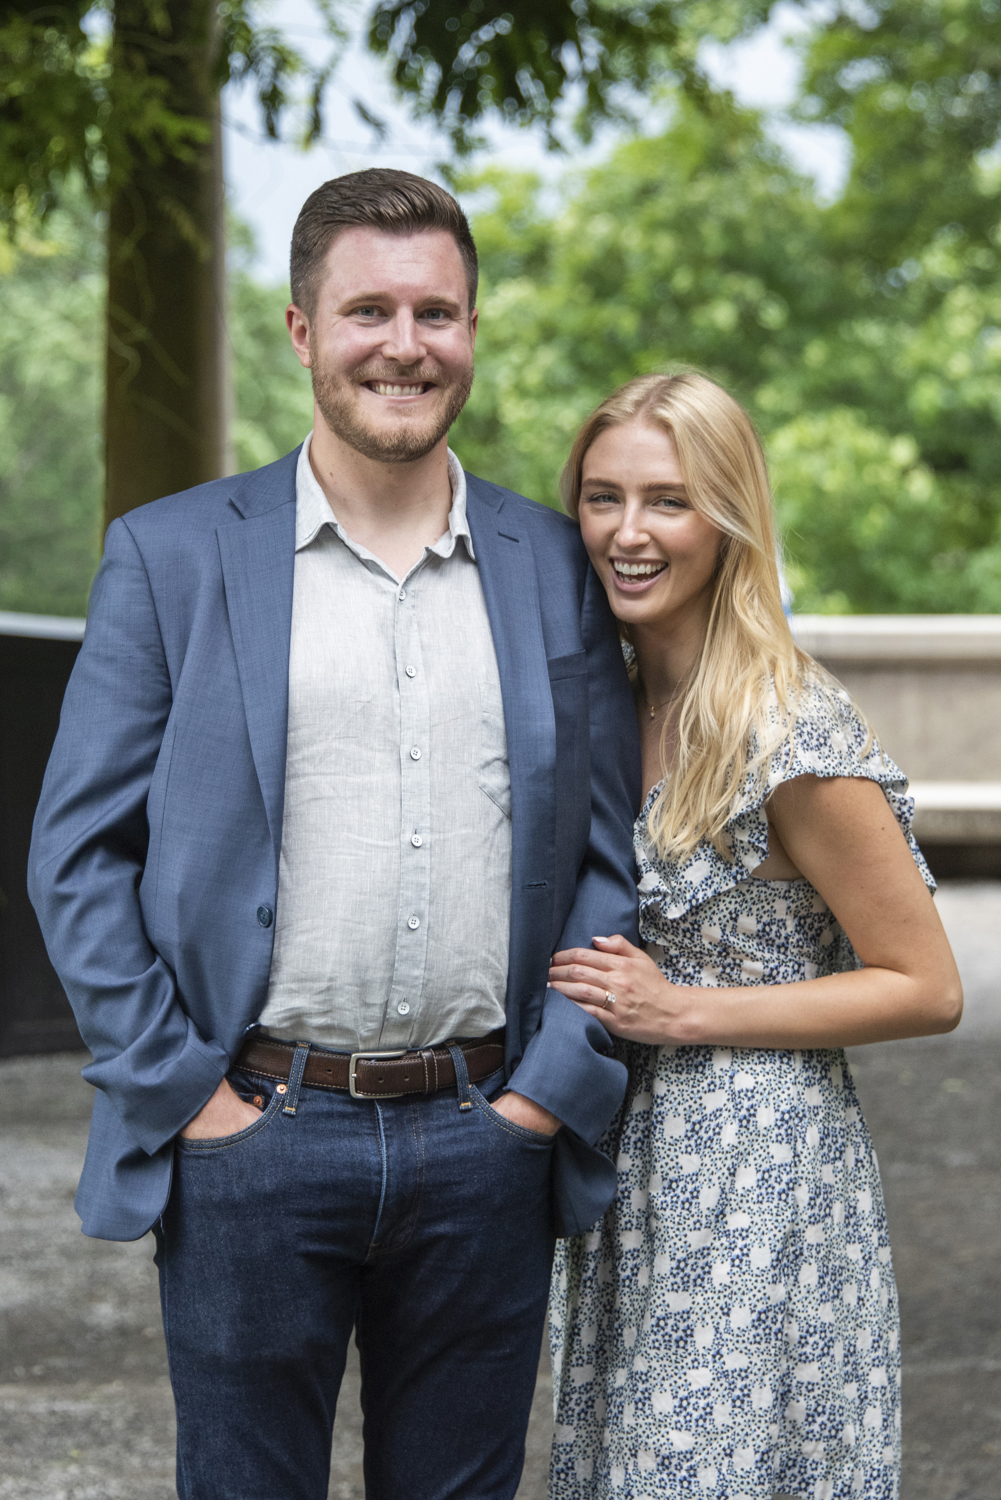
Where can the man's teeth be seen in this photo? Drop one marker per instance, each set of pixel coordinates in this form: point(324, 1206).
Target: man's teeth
point(638, 569)
point(381, 389)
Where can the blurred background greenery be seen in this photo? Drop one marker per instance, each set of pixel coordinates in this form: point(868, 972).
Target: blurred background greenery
point(864, 334)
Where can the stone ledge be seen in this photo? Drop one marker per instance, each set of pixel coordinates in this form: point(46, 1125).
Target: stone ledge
point(957, 812)
point(923, 639)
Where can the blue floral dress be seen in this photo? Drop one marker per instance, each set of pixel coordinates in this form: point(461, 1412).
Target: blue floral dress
point(730, 1330)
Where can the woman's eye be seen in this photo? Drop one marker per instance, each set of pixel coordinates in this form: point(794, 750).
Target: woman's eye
point(602, 499)
point(672, 502)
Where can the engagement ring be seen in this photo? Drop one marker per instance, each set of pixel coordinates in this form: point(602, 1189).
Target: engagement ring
point(609, 1000)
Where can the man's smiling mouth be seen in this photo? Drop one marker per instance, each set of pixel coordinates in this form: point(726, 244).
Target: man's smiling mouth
point(383, 388)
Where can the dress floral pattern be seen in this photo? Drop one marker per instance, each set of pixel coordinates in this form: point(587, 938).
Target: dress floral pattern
point(730, 1330)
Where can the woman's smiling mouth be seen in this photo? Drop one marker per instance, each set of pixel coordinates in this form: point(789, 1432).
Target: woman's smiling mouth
point(634, 577)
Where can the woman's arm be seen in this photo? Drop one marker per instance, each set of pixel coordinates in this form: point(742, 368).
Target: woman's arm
point(841, 834)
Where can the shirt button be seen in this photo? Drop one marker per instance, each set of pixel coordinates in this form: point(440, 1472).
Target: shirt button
point(411, 671)
point(403, 1009)
point(417, 841)
point(402, 595)
point(264, 915)
point(415, 753)
point(413, 923)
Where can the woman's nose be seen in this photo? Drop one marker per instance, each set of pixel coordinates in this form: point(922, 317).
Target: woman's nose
point(633, 530)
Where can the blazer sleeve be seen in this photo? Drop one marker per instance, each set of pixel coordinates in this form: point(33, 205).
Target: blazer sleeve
point(88, 856)
point(568, 1065)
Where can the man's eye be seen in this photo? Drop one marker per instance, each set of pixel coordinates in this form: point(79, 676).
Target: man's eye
point(437, 314)
point(367, 312)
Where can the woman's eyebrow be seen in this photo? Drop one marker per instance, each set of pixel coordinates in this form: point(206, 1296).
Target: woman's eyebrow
point(655, 484)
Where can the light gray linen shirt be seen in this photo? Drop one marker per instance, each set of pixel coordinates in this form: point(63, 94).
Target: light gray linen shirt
point(394, 888)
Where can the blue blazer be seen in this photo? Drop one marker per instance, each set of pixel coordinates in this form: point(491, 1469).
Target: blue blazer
point(159, 827)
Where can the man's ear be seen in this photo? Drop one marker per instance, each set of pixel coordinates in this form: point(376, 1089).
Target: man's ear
point(474, 320)
point(298, 327)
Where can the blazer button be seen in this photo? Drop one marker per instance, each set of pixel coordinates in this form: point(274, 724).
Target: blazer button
point(264, 915)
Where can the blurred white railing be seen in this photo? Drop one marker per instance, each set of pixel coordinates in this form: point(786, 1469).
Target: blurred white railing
point(41, 627)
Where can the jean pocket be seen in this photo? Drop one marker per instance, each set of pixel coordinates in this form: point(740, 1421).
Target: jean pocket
point(508, 1127)
point(224, 1142)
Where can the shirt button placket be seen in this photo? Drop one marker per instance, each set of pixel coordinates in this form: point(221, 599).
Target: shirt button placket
point(404, 1007)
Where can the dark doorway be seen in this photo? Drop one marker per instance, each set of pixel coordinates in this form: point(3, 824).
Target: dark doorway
point(36, 657)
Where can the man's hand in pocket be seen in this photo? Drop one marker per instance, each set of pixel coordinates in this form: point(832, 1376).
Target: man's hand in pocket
point(525, 1112)
point(224, 1114)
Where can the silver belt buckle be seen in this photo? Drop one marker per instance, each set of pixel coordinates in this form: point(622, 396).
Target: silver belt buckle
point(353, 1062)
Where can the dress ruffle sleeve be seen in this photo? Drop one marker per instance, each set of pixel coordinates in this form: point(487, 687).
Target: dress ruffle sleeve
point(829, 739)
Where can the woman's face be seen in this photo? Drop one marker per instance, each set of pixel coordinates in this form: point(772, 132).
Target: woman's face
point(652, 550)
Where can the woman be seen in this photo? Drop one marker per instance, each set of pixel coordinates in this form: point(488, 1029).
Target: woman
point(731, 1329)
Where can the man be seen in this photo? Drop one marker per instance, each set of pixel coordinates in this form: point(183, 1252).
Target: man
point(347, 753)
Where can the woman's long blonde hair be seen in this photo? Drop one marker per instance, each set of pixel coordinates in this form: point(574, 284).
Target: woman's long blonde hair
point(739, 704)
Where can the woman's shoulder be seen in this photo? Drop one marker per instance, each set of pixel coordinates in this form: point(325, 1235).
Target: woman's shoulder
point(831, 738)
point(823, 734)
point(827, 736)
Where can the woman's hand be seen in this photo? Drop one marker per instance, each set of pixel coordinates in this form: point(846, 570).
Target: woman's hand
point(647, 1008)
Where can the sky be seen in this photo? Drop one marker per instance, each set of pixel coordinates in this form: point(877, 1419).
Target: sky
point(268, 181)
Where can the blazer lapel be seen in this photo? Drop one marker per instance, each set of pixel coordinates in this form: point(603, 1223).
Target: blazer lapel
point(258, 566)
point(510, 588)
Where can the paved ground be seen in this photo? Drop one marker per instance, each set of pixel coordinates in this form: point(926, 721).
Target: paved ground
point(85, 1411)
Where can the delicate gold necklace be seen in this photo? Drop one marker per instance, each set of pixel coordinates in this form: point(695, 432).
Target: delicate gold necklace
point(655, 708)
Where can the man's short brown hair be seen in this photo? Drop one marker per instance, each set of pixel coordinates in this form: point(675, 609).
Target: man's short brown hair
point(379, 198)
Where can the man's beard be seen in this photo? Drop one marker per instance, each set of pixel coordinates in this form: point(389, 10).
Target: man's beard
point(409, 442)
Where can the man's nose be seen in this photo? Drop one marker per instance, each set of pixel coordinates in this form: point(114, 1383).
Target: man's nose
point(404, 342)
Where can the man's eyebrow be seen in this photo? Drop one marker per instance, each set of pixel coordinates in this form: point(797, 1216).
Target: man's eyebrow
point(353, 299)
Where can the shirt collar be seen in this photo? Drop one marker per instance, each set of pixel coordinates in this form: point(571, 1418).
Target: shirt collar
point(313, 510)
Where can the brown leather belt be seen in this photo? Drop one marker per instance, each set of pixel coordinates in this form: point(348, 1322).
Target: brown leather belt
point(376, 1075)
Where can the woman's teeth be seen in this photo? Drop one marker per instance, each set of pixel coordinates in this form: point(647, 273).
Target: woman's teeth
point(638, 569)
point(381, 389)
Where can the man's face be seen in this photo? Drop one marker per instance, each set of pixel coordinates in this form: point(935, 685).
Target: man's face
point(390, 343)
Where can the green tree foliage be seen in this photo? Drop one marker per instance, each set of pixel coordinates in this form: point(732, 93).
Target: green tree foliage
point(136, 111)
point(273, 396)
point(48, 103)
point(69, 102)
point(866, 345)
point(917, 85)
point(700, 247)
point(877, 393)
point(50, 414)
point(51, 365)
point(460, 62)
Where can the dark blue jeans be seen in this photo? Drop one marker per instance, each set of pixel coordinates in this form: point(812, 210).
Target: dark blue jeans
point(424, 1225)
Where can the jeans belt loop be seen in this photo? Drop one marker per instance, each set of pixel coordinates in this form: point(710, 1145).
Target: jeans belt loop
point(461, 1076)
point(295, 1078)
